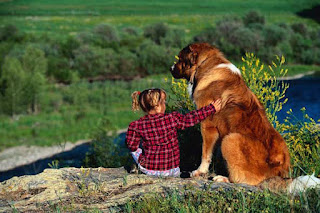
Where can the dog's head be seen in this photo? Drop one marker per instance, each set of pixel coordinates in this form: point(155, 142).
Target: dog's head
point(190, 58)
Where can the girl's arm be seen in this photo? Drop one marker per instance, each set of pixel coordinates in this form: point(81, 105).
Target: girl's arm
point(132, 138)
point(195, 116)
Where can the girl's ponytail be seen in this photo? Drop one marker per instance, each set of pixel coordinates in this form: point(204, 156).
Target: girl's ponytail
point(135, 100)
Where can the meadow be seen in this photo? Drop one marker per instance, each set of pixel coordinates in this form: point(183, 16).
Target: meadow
point(61, 18)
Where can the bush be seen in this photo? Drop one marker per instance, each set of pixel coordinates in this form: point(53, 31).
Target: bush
point(303, 139)
point(174, 38)
point(273, 35)
point(253, 17)
point(300, 28)
point(156, 32)
point(106, 151)
point(209, 35)
point(127, 64)
point(91, 61)
point(246, 40)
point(106, 32)
point(155, 59)
point(8, 32)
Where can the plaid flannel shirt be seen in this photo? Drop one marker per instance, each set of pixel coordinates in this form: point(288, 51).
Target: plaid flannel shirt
point(158, 133)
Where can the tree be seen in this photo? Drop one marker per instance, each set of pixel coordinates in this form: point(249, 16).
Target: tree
point(35, 66)
point(12, 84)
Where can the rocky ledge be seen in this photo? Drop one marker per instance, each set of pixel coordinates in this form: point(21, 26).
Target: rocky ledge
point(73, 189)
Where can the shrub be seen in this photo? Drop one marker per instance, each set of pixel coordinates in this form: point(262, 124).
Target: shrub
point(246, 40)
point(106, 150)
point(174, 38)
point(106, 32)
point(209, 35)
point(8, 32)
point(274, 35)
point(92, 61)
point(303, 139)
point(253, 17)
point(127, 64)
point(154, 59)
point(68, 46)
point(156, 32)
point(300, 28)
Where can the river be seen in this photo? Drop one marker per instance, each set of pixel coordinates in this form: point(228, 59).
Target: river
point(304, 92)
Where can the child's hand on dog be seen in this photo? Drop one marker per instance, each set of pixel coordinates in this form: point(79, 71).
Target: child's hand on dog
point(217, 105)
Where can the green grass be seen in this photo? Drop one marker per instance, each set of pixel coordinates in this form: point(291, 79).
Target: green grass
point(59, 18)
point(226, 200)
point(71, 113)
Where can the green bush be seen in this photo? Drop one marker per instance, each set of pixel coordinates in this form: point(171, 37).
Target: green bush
point(92, 61)
point(155, 59)
point(253, 17)
point(174, 38)
point(127, 64)
point(156, 32)
point(105, 150)
point(274, 35)
point(8, 32)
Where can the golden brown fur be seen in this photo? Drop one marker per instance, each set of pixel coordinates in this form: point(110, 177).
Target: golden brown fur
point(253, 149)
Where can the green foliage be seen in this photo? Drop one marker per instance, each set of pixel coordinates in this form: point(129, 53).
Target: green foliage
point(22, 81)
point(106, 151)
point(263, 83)
point(156, 32)
point(303, 139)
point(93, 61)
point(253, 17)
point(35, 67)
point(225, 200)
point(12, 84)
point(155, 59)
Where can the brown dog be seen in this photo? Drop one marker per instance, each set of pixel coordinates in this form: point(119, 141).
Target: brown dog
point(253, 149)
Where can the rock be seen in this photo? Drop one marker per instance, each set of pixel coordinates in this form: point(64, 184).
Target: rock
point(73, 189)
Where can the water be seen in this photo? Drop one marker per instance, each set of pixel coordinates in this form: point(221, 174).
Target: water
point(303, 92)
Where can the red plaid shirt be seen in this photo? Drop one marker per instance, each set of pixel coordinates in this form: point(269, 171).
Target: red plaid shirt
point(159, 137)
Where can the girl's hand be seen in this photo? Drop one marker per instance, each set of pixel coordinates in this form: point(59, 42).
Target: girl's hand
point(217, 105)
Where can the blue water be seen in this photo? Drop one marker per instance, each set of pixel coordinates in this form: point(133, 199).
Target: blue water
point(303, 93)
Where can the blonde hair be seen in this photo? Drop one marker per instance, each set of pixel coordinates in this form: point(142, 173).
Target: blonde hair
point(147, 99)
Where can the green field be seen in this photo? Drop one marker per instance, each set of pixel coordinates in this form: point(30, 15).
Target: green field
point(71, 113)
point(70, 16)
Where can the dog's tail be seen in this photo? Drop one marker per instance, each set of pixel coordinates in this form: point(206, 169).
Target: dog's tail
point(303, 183)
point(290, 185)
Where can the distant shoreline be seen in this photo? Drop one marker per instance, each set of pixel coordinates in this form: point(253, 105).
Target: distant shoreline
point(298, 76)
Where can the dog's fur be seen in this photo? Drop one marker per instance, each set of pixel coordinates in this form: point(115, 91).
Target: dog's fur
point(253, 150)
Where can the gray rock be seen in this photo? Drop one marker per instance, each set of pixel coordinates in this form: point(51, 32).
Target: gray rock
point(73, 189)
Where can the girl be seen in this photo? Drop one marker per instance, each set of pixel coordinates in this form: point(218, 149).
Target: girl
point(157, 131)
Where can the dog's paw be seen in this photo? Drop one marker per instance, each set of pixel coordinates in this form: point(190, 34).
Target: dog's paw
point(221, 179)
point(198, 173)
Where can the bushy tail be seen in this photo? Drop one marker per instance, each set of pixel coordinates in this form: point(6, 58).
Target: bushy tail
point(302, 183)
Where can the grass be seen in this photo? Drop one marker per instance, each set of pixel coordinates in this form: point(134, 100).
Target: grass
point(60, 18)
point(71, 113)
point(226, 200)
